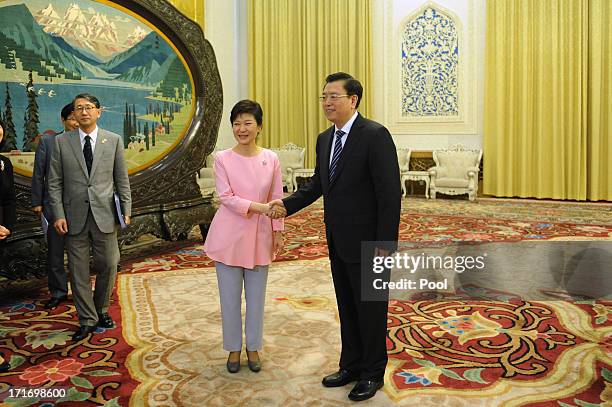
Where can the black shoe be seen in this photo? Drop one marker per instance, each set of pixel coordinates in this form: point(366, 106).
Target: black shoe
point(365, 389)
point(341, 378)
point(254, 365)
point(105, 321)
point(232, 367)
point(54, 302)
point(5, 367)
point(82, 332)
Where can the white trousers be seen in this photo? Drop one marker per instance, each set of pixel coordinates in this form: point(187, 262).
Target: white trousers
point(230, 281)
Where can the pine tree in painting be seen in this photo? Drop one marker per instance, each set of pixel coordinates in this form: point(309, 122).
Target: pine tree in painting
point(134, 122)
point(126, 127)
point(10, 134)
point(30, 127)
point(146, 134)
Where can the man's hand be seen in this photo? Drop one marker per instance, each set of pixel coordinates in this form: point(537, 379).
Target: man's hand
point(61, 226)
point(277, 243)
point(277, 209)
point(37, 209)
point(127, 219)
point(4, 232)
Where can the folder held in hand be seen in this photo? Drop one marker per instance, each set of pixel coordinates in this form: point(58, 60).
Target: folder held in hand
point(119, 211)
point(44, 223)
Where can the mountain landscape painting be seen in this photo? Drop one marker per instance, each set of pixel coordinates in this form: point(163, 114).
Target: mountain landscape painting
point(51, 51)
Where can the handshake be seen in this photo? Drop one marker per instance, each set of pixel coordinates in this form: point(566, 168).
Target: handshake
point(274, 209)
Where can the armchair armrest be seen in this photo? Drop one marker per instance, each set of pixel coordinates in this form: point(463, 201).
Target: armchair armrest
point(438, 172)
point(472, 171)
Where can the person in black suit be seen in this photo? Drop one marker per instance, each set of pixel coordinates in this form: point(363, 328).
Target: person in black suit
point(358, 176)
point(7, 211)
point(7, 193)
point(56, 273)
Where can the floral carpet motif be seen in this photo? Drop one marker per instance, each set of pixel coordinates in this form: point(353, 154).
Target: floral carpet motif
point(503, 353)
point(44, 357)
point(166, 348)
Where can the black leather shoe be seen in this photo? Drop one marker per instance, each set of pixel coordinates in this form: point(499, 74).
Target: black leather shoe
point(83, 332)
point(54, 302)
point(341, 378)
point(365, 389)
point(105, 321)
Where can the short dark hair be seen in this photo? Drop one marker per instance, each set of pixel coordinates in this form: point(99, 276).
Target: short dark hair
point(249, 107)
point(67, 110)
point(89, 97)
point(351, 85)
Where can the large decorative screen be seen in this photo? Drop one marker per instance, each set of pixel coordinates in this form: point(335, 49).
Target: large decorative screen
point(429, 66)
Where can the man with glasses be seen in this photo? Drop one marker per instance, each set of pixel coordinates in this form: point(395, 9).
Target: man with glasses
point(87, 166)
point(56, 274)
point(358, 176)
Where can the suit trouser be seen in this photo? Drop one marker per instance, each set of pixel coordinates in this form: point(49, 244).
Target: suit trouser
point(230, 280)
point(56, 273)
point(363, 325)
point(105, 256)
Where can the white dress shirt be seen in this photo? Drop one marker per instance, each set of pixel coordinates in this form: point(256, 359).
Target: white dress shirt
point(346, 129)
point(94, 137)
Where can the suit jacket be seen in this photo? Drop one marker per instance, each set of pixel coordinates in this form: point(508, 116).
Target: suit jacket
point(362, 203)
point(72, 192)
point(40, 176)
point(7, 194)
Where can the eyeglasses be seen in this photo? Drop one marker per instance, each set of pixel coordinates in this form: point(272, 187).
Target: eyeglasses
point(87, 108)
point(331, 97)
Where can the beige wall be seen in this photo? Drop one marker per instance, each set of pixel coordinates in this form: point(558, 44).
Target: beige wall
point(387, 16)
point(225, 28)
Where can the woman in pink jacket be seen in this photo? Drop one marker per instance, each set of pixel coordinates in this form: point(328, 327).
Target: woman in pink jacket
point(242, 239)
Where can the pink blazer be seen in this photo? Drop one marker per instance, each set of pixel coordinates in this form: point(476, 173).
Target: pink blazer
point(235, 237)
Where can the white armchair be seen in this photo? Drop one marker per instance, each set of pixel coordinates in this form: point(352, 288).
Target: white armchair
point(456, 171)
point(291, 158)
point(403, 159)
point(206, 177)
point(407, 175)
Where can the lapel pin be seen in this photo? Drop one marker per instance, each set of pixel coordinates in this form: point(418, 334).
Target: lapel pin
point(103, 140)
point(264, 162)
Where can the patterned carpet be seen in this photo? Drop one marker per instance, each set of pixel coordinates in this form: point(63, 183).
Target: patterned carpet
point(167, 348)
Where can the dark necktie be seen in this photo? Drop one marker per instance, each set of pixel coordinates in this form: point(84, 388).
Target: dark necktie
point(336, 157)
point(88, 153)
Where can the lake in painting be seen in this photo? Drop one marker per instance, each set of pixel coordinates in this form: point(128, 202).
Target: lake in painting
point(50, 52)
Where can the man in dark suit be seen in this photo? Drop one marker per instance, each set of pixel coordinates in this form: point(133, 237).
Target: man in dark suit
point(7, 215)
point(358, 176)
point(56, 274)
point(87, 166)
